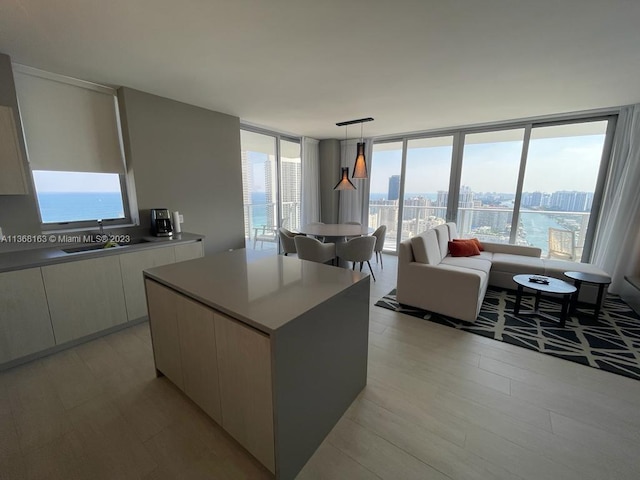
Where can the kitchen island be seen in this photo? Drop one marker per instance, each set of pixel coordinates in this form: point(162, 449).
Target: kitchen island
point(273, 349)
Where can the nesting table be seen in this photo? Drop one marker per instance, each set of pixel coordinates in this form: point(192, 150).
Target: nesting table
point(579, 278)
point(554, 286)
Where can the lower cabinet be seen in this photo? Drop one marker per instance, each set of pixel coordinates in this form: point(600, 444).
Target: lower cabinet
point(132, 264)
point(25, 326)
point(189, 251)
point(84, 296)
point(221, 364)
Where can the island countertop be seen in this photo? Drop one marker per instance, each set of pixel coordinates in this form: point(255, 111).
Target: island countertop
point(265, 293)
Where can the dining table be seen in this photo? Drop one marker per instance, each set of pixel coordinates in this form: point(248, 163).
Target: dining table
point(334, 230)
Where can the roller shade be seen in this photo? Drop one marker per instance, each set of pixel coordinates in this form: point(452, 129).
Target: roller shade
point(68, 127)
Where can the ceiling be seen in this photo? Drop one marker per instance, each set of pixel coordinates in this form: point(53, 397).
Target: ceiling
point(300, 66)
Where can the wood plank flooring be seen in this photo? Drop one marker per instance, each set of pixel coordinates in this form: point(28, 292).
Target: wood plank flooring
point(439, 404)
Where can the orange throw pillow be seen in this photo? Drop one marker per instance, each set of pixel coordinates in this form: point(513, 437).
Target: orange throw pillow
point(463, 249)
point(474, 240)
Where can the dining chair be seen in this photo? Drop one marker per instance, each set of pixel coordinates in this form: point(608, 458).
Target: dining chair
point(358, 249)
point(380, 234)
point(314, 250)
point(287, 240)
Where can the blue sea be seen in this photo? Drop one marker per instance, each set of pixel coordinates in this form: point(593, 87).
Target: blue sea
point(57, 207)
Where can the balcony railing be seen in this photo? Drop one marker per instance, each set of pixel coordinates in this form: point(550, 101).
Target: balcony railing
point(260, 225)
point(565, 230)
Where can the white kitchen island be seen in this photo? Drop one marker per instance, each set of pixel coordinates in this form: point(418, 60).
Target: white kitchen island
point(273, 349)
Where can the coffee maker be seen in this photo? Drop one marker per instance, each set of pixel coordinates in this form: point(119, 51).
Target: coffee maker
point(161, 222)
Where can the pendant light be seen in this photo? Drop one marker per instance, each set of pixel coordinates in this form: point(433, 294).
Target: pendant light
point(345, 183)
point(360, 167)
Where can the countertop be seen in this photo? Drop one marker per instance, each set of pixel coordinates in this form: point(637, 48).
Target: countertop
point(265, 293)
point(51, 254)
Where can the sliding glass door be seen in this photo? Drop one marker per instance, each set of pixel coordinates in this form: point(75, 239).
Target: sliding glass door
point(271, 187)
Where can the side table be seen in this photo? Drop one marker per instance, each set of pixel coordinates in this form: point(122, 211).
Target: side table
point(579, 278)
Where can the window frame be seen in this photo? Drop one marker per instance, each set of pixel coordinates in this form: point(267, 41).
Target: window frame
point(459, 134)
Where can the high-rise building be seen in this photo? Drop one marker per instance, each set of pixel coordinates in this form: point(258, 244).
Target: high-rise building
point(394, 187)
point(290, 195)
point(247, 181)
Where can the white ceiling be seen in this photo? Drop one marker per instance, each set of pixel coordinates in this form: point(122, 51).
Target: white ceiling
point(300, 66)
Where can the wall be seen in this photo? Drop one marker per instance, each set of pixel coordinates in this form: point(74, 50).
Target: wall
point(18, 213)
point(329, 176)
point(185, 158)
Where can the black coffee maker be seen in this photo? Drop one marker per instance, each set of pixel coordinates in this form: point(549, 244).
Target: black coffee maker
point(161, 222)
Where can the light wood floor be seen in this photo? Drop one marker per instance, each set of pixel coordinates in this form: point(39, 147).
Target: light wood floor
point(439, 404)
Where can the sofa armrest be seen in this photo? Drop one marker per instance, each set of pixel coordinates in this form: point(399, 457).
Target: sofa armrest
point(512, 249)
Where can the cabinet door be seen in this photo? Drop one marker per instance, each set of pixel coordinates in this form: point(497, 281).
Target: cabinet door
point(13, 179)
point(84, 297)
point(198, 355)
point(244, 368)
point(132, 264)
point(163, 307)
point(188, 251)
point(25, 326)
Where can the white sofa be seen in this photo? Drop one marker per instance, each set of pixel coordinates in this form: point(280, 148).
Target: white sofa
point(430, 278)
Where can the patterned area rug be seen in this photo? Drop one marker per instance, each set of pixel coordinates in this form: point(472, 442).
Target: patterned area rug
point(612, 343)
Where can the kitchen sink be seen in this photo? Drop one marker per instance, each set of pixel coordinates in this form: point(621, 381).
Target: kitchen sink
point(89, 247)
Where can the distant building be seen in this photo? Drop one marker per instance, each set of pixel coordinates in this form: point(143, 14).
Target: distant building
point(394, 187)
point(565, 201)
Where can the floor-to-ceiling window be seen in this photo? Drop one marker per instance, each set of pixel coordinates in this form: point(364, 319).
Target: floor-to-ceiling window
point(536, 183)
point(271, 186)
point(384, 197)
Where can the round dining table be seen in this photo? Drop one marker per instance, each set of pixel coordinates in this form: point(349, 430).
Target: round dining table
point(334, 230)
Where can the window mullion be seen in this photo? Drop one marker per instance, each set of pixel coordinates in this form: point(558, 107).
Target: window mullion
point(515, 219)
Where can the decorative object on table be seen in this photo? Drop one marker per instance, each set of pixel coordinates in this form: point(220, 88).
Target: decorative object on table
point(380, 234)
point(540, 280)
point(314, 250)
point(612, 344)
point(357, 250)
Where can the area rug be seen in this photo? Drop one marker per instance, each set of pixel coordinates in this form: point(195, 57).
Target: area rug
point(612, 343)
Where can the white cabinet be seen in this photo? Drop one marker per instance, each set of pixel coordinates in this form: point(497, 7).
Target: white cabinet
point(244, 366)
point(188, 251)
point(84, 296)
point(13, 180)
point(25, 326)
point(132, 264)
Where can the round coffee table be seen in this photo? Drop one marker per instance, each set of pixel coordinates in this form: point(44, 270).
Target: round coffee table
point(579, 278)
point(554, 286)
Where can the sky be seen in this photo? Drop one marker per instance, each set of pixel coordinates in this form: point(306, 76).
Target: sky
point(553, 164)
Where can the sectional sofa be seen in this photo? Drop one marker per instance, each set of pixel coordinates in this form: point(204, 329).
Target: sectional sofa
point(430, 278)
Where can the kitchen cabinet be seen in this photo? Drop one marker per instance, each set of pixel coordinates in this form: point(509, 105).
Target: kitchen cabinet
point(199, 359)
point(25, 326)
point(188, 251)
point(13, 180)
point(244, 363)
point(84, 296)
point(132, 264)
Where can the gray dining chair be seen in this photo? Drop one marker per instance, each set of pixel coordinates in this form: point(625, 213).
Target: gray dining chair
point(357, 250)
point(380, 234)
point(287, 240)
point(314, 250)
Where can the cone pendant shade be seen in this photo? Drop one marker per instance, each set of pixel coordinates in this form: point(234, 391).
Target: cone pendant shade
point(360, 167)
point(345, 183)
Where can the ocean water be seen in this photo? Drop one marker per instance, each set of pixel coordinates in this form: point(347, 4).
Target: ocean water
point(56, 207)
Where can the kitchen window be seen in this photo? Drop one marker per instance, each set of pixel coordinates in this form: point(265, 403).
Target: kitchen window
point(72, 135)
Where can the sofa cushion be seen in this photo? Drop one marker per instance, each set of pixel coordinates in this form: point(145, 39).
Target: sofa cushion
point(556, 268)
point(474, 263)
point(442, 232)
point(516, 264)
point(453, 230)
point(463, 249)
point(475, 241)
point(425, 248)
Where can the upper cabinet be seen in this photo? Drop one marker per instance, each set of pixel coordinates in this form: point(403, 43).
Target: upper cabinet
point(13, 180)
